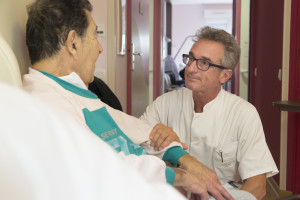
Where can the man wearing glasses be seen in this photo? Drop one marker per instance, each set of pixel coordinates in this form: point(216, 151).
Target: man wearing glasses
point(222, 130)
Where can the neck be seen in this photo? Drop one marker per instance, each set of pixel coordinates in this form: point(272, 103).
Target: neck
point(202, 98)
point(56, 65)
point(49, 69)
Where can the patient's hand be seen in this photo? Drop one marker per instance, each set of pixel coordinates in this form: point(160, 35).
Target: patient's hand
point(186, 182)
point(206, 175)
point(161, 136)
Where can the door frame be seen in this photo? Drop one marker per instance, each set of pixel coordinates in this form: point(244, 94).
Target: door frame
point(157, 48)
point(129, 54)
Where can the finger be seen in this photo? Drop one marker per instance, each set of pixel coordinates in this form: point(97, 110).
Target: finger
point(158, 138)
point(153, 131)
point(171, 136)
point(184, 146)
point(154, 135)
point(201, 196)
point(181, 190)
point(194, 197)
point(166, 142)
point(161, 140)
point(224, 192)
point(152, 142)
point(215, 193)
point(154, 139)
point(204, 196)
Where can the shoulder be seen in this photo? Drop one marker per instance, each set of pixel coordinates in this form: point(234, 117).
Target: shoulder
point(35, 82)
point(44, 88)
point(35, 78)
point(236, 101)
point(169, 104)
point(176, 95)
point(238, 106)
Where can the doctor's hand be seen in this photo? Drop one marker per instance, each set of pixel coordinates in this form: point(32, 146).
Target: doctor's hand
point(205, 175)
point(161, 136)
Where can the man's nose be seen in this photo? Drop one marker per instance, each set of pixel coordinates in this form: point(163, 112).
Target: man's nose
point(192, 67)
point(100, 47)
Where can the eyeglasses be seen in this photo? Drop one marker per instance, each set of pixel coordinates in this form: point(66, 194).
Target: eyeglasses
point(201, 64)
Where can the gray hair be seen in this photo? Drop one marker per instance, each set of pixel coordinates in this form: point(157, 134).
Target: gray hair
point(232, 50)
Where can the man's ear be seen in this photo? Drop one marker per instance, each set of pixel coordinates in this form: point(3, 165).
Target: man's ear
point(72, 43)
point(225, 75)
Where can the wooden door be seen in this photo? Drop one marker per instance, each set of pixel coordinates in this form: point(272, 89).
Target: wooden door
point(293, 148)
point(138, 41)
point(266, 38)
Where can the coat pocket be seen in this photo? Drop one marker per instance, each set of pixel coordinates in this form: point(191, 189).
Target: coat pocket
point(225, 162)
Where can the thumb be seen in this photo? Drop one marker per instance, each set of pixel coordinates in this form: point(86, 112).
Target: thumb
point(184, 146)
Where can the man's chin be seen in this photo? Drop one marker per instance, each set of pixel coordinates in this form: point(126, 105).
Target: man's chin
point(188, 85)
point(192, 85)
point(92, 79)
point(191, 82)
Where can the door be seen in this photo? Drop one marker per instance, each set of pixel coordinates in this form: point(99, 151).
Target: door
point(265, 67)
point(293, 147)
point(140, 57)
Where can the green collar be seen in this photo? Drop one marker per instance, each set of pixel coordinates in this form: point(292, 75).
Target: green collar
point(70, 87)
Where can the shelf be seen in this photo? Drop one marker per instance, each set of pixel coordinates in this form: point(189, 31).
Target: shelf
point(292, 106)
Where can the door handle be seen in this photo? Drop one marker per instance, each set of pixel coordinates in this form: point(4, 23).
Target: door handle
point(255, 72)
point(279, 75)
point(133, 59)
point(136, 54)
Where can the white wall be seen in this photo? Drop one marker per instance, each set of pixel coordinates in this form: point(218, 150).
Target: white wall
point(244, 44)
point(116, 64)
point(110, 67)
point(99, 14)
point(186, 20)
point(13, 17)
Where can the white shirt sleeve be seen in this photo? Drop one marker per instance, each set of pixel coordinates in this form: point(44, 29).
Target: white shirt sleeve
point(253, 156)
point(45, 155)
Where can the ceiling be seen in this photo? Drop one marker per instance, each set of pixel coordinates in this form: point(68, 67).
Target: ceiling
point(179, 2)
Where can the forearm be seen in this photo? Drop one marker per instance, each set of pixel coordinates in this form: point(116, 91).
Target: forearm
point(256, 186)
point(189, 162)
point(185, 161)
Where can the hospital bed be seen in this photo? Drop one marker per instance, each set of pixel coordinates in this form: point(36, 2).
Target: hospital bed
point(9, 67)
